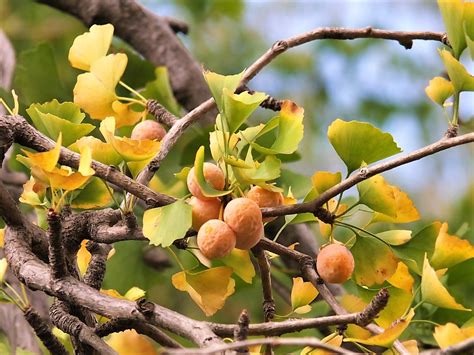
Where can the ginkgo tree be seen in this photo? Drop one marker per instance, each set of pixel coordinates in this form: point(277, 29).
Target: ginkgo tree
point(92, 185)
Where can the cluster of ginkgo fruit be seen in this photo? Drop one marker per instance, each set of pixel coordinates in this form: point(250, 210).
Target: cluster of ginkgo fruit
point(239, 226)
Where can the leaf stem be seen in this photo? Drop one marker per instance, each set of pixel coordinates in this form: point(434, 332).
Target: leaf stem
point(133, 91)
point(129, 99)
point(455, 110)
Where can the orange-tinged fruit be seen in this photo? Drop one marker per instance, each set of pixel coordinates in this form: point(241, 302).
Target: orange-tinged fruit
point(335, 263)
point(265, 198)
point(215, 239)
point(204, 210)
point(148, 129)
point(214, 177)
point(244, 217)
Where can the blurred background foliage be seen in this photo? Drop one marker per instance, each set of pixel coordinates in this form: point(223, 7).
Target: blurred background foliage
point(368, 80)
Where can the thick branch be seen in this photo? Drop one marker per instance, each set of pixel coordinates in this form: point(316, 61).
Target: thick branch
point(96, 269)
point(241, 331)
point(57, 258)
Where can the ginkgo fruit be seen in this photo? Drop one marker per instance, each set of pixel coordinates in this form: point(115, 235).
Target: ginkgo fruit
point(213, 176)
point(245, 218)
point(335, 263)
point(148, 129)
point(215, 239)
point(204, 210)
point(265, 198)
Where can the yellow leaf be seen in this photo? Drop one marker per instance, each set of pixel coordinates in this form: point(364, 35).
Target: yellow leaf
point(402, 278)
point(404, 208)
point(124, 115)
point(208, 289)
point(101, 151)
point(330, 340)
point(128, 149)
point(324, 180)
point(387, 338)
point(450, 334)
point(85, 162)
point(439, 89)
point(101, 81)
point(134, 294)
point(302, 293)
point(3, 269)
point(325, 228)
point(46, 160)
point(377, 194)
point(129, 342)
point(450, 250)
point(33, 193)
point(354, 304)
point(90, 46)
point(239, 261)
point(2, 237)
point(83, 257)
point(63, 178)
point(434, 292)
point(112, 293)
point(410, 345)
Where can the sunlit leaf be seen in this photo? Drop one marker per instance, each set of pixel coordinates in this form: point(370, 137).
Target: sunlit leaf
point(461, 79)
point(128, 149)
point(93, 195)
point(434, 292)
point(331, 339)
point(469, 26)
point(217, 143)
point(357, 142)
point(207, 190)
point(374, 261)
point(208, 289)
point(406, 211)
point(238, 107)
point(450, 250)
point(163, 225)
point(239, 261)
point(388, 337)
point(124, 115)
point(103, 78)
point(377, 194)
point(396, 236)
point(354, 304)
point(33, 193)
point(302, 294)
point(46, 160)
point(83, 257)
point(450, 334)
point(331, 205)
point(134, 294)
point(217, 83)
point(129, 342)
point(101, 151)
point(324, 180)
point(269, 169)
point(402, 278)
point(85, 162)
point(439, 90)
point(90, 46)
point(452, 12)
point(3, 269)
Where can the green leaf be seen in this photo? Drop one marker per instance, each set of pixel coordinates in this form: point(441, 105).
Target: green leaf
point(452, 12)
point(439, 90)
point(206, 189)
point(163, 225)
point(269, 169)
point(469, 26)
point(239, 261)
point(290, 130)
point(160, 90)
point(239, 107)
point(357, 142)
point(374, 261)
point(434, 292)
point(413, 252)
point(461, 79)
point(217, 83)
point(378, 195)
point(93, 195)
point(101, 151)
point(37, 77)
point(395, 237)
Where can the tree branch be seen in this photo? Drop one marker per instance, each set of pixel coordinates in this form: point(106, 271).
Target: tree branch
point(265, 275)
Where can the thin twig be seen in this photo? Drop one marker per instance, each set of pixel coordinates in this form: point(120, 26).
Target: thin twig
point(241, 331)
point(265, 275)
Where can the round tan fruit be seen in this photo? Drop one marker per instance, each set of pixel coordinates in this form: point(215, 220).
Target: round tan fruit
point(265, 198)
point(148, 129)
point(244, 217)
point(204, 210)
point(335, 263)
point(215, 239)
point(214, 177)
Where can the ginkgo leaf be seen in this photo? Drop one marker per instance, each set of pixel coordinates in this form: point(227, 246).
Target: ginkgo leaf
point(269, 169)
point(388, 337)
point(239, 261)
point(128, 149)
point(302, 294)
point(374, 261)
point(124, 115)
point(396, 236)
point(90, 46)
point(324, 180)
point(357, 142)
point(217, 83)
point(331, 206)
point(217, 141)
point(354, 304)
point(83, 257)
point(161, 91)
point(33, 193)
point(452, 13)
point(413, 252)
point(46, 160)
point(85, 162)
point(63, 178)
point(439, 90)
point(434, 292)
point(469, 26)
point(238, 107)
point(93, 195)
point(129, 342)
point(450, 334)
point(208, 289)
point(3, 269)
point(406, 210)
point(402, 278)
point(290, 130)
point(207, 190)
point(163, 225)
point(103, 78)
point(377, 194)
point(134, 294)
point(461, 79)
point(331, 339)
point(101, 151)
point(450, 250)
